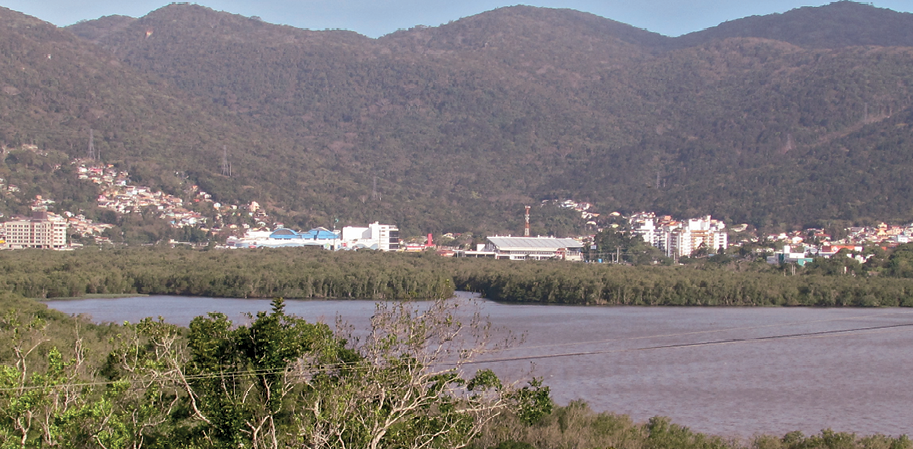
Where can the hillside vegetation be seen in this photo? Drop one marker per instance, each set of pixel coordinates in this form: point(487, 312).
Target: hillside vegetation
point(778, 121)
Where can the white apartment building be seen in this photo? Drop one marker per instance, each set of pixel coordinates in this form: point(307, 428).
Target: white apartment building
point(375, 236)
point(680, 238)
point(644, 225)
point(39, 232)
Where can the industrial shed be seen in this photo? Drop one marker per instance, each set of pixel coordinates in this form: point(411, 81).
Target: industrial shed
point(522, 248)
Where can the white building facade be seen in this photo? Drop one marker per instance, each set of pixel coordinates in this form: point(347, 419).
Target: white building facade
point(40, 232)
point(375, 236)
point(644, 225)
point(680, 238)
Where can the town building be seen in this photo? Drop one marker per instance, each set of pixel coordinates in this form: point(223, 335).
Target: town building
point(286, 238)
point(522, 248)
point(375, 236)
point(43, 231)
point(680, 238)
point(643, 224)
point(787, 255)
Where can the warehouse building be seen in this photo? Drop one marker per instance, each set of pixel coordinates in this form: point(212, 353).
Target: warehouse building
point(523, 248)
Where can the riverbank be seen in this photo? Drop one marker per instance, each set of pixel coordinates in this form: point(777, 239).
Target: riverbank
point(92, 296)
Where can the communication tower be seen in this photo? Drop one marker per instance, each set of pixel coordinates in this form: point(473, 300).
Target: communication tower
point(526, 230)
point(226, 167)
point(91, 152)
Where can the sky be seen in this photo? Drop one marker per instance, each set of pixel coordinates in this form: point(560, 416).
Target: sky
point(375, 18)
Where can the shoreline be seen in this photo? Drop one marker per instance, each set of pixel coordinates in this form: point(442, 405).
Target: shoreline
point(94, 296)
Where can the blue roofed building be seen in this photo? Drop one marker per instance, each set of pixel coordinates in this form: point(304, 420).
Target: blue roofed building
point(319, 234)
point(285, 237)
point(285, 234)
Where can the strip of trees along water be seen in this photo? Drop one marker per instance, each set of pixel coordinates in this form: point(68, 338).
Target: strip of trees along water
point(886, 279)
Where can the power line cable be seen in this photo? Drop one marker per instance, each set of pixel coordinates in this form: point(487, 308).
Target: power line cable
point(335, 367)
point(692, 345)
point(710, 331)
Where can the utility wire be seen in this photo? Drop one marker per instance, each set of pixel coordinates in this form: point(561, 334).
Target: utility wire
point(330, 368)
point(709, 331)
point(692, 345)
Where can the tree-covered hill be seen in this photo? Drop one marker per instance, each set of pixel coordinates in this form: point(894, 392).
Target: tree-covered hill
point(97, 29)
point(572, 32)
point(458, 126)
point(56, 87)
point(843, 23)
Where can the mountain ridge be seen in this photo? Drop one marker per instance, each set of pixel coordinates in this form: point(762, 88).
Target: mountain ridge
point(845, 23)
point(839, 24)
point(456, 127)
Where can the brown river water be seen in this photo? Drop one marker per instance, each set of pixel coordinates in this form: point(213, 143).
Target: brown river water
point(734, 372)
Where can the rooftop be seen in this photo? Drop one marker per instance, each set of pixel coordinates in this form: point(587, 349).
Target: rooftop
point(533, 243)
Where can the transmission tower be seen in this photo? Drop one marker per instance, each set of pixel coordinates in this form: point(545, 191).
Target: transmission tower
point(226, 167)
point(91, 155)
point(526, 229)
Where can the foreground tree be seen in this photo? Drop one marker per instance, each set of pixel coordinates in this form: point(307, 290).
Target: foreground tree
point(282, 382)
point(408, 389)
point(242, 379)
point(40, 392)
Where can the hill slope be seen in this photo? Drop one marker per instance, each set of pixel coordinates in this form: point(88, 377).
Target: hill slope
point(461, 124)
point(840, 24)
point(56, 87)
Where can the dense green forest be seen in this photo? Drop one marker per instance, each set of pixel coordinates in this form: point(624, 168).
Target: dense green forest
point(559, 283)
point(721, 280)
point(885, 279)
point(263, 273)
point(278, 381)
point(778, 121)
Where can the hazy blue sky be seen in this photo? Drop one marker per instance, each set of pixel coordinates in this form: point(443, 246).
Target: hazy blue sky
point(378, 17)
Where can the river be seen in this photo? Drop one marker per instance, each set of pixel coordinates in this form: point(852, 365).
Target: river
point(734, 372)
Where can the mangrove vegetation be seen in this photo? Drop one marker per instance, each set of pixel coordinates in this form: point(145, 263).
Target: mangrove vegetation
point(886, 279)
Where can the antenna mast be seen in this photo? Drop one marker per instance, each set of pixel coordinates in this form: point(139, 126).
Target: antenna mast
point(526, 230)
point(91, 145)
point(226, 167)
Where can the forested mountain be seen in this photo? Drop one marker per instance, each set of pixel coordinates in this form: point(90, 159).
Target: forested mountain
point(55, 87)
point(97, 29)
point(841, 24)
point(782, 120)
